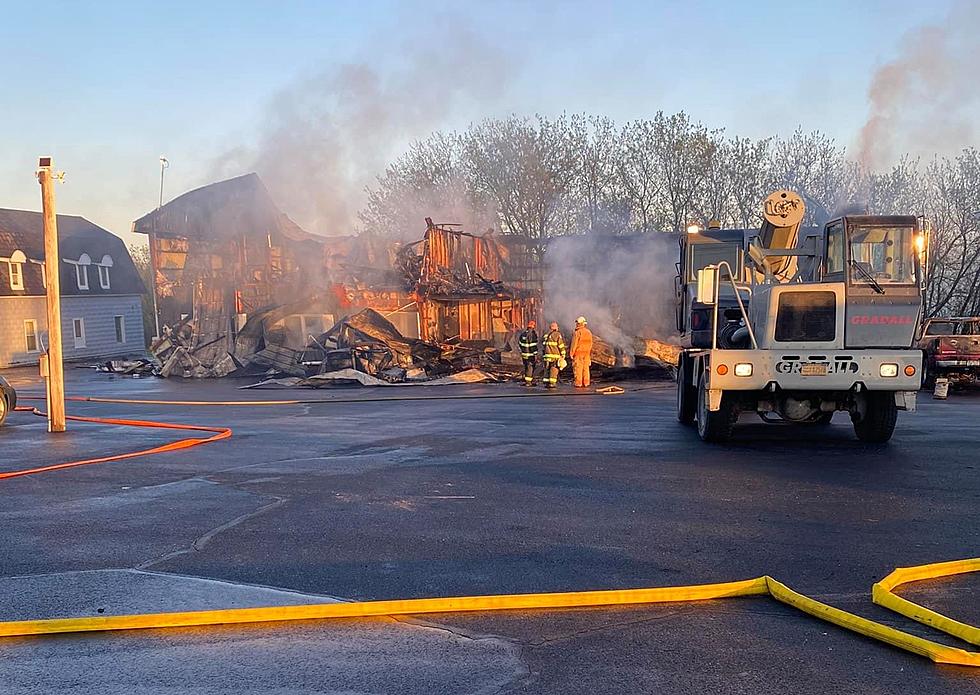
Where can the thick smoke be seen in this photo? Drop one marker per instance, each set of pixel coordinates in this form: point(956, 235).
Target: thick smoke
point(925, 101)
point(325, 139)
point(624, 286)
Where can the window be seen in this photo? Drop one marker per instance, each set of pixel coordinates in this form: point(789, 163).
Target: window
point(941, 328)
point(806, 316)
point(703, 255)
point(78, 328)
point(104, 271)
point(16, 276)
point(835, 249)
point(120, 322)
point(884, 253)
point(30, 335)
point(81, 274)
point(16, 267)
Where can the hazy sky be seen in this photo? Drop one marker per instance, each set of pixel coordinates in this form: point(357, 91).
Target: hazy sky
point(108, 87)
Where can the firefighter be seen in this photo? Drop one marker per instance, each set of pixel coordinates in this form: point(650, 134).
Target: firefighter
point(581, 352)
point(528, 341)
point(554, 355)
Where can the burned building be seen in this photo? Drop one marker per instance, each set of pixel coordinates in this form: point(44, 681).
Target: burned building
point(224, 250)
point(454, 281)
point(235, 278)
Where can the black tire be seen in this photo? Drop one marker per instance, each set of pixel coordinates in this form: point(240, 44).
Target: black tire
point(3, 409)
point(687, 395)
point(878, 423)
point(715, 426)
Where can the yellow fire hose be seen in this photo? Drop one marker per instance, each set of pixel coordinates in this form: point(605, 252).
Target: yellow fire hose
point(882, 595)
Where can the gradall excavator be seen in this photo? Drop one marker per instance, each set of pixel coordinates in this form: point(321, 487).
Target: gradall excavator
point(795, 324)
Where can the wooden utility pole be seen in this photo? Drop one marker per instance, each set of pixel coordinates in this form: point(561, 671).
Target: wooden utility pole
point(56, 365)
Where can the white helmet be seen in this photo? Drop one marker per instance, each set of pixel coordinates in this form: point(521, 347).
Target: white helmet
point(581, 319)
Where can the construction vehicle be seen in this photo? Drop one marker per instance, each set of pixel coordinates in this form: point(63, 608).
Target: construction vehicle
point(796, 326)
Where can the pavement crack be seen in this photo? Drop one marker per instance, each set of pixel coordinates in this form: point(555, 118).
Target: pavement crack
point(521, 678)
point(603, 628)
point(201, 542)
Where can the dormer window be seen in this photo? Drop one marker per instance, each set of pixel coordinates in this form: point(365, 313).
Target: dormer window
point(104, 272)
point(81, 271)
point(16, 266)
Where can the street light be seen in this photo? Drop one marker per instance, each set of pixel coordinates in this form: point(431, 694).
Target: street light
point(164, 165)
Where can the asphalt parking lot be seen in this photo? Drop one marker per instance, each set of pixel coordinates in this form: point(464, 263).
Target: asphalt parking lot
point(406, 499)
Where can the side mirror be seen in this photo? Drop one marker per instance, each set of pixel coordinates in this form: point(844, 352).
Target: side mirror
point(707, 284)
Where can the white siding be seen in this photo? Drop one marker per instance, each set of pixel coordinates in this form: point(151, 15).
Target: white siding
point(99, 314)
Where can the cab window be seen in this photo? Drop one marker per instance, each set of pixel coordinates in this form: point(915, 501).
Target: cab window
point(835, 249)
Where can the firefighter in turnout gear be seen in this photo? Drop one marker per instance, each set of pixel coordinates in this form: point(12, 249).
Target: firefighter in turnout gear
point(554, 355)
point(581, 353)
point(528, 341)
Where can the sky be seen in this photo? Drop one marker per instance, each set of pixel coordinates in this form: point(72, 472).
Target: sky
point(106, 88)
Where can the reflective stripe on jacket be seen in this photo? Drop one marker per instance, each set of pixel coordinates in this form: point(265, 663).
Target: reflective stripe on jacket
point(554, 346)
point(528, 342)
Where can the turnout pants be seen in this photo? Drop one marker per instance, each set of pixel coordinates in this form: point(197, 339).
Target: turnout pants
point(529, 364)
point(580, 365)
point(550, 373)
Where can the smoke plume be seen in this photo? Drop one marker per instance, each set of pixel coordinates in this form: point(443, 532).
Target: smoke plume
point(326, 138)
point(925, 101)
point(624, 286)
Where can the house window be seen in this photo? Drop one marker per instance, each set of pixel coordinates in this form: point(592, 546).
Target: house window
point(16, 266)
point(78, 327)
point(16, 276)
point(104, 271)
point(120, 322)
point(30, 335)
point(81, 274)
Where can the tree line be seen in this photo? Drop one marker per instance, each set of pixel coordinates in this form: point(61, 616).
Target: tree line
point(579, 174)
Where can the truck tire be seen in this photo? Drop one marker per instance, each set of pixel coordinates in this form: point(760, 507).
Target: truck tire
point(715, 426)
point(878, 423)
point(687, 395)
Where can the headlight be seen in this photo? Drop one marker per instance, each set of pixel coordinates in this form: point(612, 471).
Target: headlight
point(743, 369)
point(888, 369)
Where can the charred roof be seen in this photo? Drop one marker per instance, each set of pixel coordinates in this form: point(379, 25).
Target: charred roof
point(231, 208)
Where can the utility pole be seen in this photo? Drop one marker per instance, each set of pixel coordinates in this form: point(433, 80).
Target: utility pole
point(52, 262)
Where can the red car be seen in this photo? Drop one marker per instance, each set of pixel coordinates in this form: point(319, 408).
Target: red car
point(952, 349)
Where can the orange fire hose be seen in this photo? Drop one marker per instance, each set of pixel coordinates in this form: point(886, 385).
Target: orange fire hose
point(219, 434)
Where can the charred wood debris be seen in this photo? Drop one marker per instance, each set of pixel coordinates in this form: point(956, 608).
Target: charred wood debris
point(365, 347)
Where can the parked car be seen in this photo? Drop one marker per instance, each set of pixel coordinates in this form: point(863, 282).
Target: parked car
point(952, 350)
point(8, 399)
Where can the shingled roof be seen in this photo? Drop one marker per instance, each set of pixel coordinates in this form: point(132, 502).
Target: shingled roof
point(238, 206)
point(23, 230)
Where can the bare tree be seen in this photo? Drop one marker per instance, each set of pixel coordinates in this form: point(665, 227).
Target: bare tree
point(750, 175)
point(813, 165)
point(427, 181)
point(640, 175)
point(684, 151)
point(528, 169)
point(604, 205)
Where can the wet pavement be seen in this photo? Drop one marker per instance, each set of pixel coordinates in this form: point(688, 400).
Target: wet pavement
point(412, 498)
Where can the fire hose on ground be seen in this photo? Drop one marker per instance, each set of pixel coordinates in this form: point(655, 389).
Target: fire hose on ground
point(882, 592)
